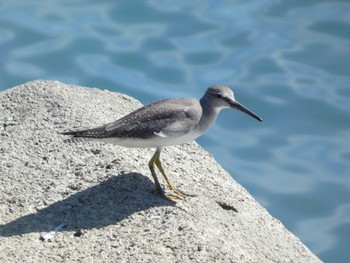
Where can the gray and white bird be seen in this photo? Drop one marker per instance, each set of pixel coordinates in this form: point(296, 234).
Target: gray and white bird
point(165, 123)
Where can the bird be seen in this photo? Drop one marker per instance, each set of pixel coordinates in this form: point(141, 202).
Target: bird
point(164, 123)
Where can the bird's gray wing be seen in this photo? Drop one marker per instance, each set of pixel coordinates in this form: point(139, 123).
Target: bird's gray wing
point(168, 116)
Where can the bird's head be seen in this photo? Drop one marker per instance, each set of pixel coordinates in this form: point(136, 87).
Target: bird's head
point(221, 97)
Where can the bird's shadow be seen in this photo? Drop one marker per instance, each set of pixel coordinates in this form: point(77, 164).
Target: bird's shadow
point(101, 205)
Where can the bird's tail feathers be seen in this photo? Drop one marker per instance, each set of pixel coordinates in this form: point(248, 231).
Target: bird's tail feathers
point(78, 136)
point(77, 139)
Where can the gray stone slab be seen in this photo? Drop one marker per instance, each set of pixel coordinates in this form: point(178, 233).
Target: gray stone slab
point(104, 193)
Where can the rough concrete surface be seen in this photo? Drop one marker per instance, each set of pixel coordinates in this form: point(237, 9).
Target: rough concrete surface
point(104, 193)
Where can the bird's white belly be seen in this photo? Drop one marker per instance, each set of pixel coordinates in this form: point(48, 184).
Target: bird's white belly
point(158, 140)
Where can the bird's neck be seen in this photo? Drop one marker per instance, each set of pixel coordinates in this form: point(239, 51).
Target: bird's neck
point(209, 115)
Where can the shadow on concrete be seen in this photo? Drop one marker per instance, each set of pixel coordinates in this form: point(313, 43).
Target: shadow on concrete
point(104, 204)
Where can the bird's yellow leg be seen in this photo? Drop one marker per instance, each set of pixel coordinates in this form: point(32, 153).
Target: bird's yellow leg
point(171, 185)
point(153, 172)
point(156, 181)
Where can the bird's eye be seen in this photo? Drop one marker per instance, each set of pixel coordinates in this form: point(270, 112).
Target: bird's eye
point(219, 96)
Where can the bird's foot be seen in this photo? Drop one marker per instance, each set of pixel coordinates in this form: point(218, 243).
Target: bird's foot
point(171, 197)
point(182, 193)
point(175, 195)
point(179, 192)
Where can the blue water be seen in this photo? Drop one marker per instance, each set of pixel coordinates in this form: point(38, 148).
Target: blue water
point(289, 61)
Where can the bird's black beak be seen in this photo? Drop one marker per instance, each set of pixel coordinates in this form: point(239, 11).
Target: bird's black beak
point(236, 105)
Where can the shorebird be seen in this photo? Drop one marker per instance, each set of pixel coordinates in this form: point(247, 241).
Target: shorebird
point(164, 123)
